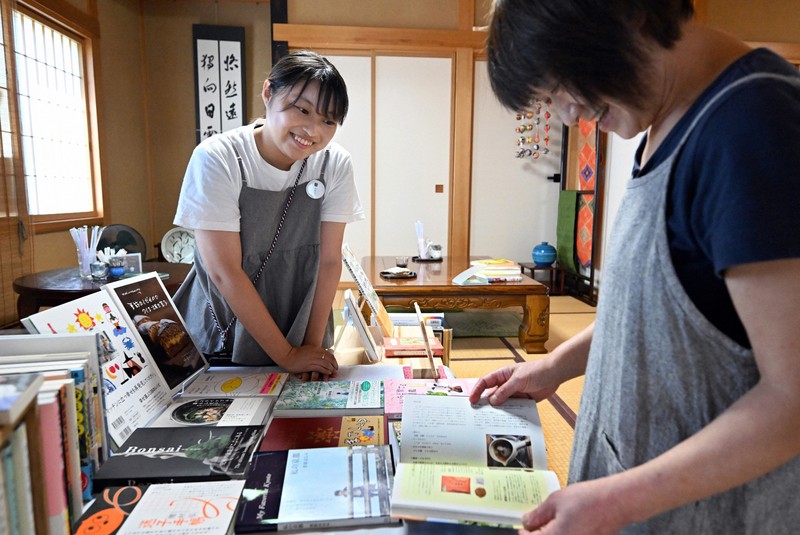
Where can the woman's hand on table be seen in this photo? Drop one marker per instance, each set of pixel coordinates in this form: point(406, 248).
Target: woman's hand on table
point(311, 363)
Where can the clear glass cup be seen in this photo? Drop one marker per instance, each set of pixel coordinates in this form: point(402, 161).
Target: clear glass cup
point(401, 261)
point(85, 259)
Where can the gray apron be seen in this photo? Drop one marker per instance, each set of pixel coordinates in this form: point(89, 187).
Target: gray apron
point(659, 371)
point(286, 285)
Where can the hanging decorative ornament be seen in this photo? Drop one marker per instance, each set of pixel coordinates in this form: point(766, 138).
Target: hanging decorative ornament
point(530, 136)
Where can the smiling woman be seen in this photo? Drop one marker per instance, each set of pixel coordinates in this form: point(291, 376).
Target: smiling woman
point(268, 203)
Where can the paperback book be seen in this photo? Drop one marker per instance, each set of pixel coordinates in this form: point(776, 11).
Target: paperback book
point(147, 353)
point(395, 390)
point(468, 462)
point(215, 411)
point(109, 510)
point(181, 454)
point(185, 509)
point(235, 384)
point(320, 432)
point(284, 490)
point(329, 398)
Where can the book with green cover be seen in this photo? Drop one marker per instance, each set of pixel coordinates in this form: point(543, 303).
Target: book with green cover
point(329, 398)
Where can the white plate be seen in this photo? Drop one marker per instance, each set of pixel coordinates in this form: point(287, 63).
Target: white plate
point(177, 245)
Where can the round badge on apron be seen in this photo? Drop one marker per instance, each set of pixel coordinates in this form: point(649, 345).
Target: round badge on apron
point(315, 189)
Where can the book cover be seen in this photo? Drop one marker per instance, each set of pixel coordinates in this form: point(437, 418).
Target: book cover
point(469, 462)
point(180, 454)
point(332, 398)
point(236, 384)
point(331, 431)
point(395, 390)
point(148, 308)
point(214, 411)
point(284, 489)
point(17, 390)
point(109, 510)
point(185, 509)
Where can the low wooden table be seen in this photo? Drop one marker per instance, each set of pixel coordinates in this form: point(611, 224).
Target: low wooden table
point(58, 286)
point(433, 289)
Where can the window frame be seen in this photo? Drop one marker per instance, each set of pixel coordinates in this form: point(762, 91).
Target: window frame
point(83, 28)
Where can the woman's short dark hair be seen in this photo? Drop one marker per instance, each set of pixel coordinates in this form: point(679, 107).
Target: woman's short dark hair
point(304, 66)
point(591, 48)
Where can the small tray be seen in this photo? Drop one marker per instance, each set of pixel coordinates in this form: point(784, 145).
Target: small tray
point(418, 259)
point(405, 275)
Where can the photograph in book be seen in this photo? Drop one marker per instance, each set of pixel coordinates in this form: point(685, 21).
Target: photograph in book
point(470, 462)
point(149, 309)
point(323, 432)
point(203, 507)
point(284, 489)
point(236, 384)
point(133, 392)
point(181, 454)
point(329, 398)
point(394, 390)
point(224, 411)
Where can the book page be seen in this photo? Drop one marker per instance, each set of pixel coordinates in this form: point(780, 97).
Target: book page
point(450, 430)
point(366, 289)
point(473, 493)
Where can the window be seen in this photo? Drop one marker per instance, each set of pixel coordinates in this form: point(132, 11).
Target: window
point(61, 179)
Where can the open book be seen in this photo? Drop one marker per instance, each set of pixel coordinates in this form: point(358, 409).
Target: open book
point(147, 355)
point(470, 462)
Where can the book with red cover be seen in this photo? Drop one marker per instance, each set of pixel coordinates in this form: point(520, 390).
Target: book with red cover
point(322, 432)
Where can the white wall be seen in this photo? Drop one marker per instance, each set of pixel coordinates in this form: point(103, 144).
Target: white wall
point(514, 206)
point(619, 163)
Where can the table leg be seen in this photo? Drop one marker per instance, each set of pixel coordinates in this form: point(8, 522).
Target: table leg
point(27, 305)
point(535, 328)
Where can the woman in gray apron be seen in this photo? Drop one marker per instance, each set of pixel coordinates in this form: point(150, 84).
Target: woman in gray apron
point(268, 203)
point(690, 416)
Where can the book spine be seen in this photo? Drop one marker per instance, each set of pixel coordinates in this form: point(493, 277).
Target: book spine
point(85, 440)
point(9, 509)
point(22, 476)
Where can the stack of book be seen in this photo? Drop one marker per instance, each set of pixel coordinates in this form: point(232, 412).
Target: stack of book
point(497, 270)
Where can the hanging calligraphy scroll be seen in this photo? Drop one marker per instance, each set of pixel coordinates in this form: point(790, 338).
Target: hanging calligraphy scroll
point(219, 77)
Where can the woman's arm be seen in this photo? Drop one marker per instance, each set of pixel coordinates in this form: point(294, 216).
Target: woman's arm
point(330, 272)
point(538, 378)
point(221, 252)
point(755, 435)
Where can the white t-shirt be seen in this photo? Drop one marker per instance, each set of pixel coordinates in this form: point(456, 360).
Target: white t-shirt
point(209, 197)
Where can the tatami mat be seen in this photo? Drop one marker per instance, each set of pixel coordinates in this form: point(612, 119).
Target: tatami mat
point(564, 304)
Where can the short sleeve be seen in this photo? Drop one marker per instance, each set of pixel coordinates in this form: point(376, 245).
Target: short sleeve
point(209, 198)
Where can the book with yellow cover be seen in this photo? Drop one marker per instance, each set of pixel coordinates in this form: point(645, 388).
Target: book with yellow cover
point(464, 462)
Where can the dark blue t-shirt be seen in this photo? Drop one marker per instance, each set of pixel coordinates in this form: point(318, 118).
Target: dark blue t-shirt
point(734, 194)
